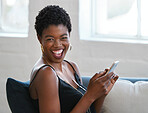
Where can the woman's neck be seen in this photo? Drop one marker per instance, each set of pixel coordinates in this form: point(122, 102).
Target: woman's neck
point(56, 66)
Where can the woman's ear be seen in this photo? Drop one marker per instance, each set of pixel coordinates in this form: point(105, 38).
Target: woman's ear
point(39, 38)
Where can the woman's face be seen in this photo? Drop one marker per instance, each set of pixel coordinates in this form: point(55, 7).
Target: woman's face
point(55, 42)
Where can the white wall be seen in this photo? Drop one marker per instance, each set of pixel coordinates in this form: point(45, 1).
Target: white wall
point(18, 55)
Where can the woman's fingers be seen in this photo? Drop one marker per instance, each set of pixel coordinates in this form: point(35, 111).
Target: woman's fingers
point(111, 83)
point(106, 69)
point(101, 74)
point(101, 84)
point(98, 75)
point(114, 79)
point(107, 77)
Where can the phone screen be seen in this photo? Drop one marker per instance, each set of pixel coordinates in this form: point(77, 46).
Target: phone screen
point(112, 68)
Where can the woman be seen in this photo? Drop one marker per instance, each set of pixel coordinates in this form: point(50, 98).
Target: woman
point(56, 85)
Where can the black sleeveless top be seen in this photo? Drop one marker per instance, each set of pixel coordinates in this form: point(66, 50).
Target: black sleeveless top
point(68, 95)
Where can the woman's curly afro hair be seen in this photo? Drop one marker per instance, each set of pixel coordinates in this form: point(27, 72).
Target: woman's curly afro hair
point(51, 15)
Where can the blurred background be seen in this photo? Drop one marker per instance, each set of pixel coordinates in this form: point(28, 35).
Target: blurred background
point(102, 31)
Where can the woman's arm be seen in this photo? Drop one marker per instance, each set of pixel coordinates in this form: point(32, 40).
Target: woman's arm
point(99, 103)
point(99, 86)
point(108, 84)
point(47, 91)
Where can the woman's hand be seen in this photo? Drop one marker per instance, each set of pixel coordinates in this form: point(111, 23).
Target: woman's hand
point(112, 82)
point(100, 84)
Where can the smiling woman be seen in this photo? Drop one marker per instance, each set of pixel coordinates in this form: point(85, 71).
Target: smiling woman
point(55, 42)
point(55, 83)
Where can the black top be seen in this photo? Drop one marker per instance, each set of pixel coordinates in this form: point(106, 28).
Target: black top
point(69, 96)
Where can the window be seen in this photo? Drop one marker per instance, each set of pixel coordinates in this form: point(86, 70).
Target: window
point(114, 20)
point(14, 18)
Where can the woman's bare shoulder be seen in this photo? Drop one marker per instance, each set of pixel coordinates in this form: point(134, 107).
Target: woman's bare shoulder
point(36, 67)
point(46, 75)
point(75, 66)
point(40, 68)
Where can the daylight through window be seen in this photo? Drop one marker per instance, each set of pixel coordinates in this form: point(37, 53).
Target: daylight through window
point(14, 17)
point(114, 19)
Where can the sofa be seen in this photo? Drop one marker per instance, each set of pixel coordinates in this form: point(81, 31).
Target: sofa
point(129, 95)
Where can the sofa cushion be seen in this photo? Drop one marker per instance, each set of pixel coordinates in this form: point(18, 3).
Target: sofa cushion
point(127, 97)
point(18, 97)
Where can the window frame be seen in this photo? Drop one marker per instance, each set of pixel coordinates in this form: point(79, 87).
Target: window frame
point(11, 34)
point(89, 34)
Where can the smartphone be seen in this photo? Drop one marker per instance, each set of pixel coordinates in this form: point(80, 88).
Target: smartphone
point(112, 68)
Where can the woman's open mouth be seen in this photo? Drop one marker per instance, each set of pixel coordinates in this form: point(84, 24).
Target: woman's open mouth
point(58, 53)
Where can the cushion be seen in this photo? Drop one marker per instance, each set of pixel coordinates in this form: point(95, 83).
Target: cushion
point(18, 97)
point(127, 97)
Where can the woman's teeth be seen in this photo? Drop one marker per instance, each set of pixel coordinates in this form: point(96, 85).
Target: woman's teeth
point(58, 52)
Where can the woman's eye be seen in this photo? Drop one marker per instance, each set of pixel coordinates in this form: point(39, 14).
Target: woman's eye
point(64, 37)
point(50, 39)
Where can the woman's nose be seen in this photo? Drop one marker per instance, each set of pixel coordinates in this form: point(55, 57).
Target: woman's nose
point(57, 43)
